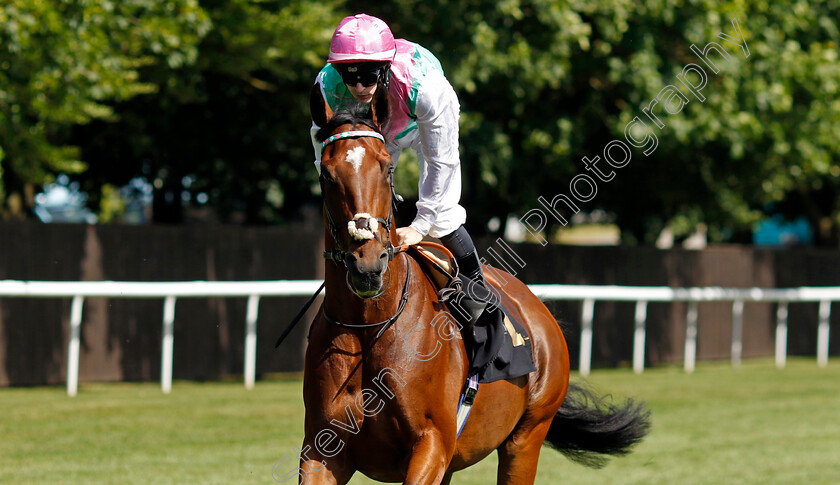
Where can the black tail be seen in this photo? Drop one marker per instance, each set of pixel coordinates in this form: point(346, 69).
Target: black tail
point(586, 429)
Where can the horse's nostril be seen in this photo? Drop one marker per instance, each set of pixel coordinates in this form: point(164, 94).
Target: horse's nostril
point(349, 259)
point(383, 256)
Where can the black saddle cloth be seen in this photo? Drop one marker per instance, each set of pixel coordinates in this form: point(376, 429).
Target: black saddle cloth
point(497, 345)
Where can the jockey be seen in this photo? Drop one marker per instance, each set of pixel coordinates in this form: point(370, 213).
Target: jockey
point(364, 57)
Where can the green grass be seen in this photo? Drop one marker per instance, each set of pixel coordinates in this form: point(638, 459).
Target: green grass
point(753, 425)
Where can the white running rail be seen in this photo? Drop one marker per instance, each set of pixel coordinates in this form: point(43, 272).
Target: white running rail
point(254, 290)
point(170, 292)
point(642, 295)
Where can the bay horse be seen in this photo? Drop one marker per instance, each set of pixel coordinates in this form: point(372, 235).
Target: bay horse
point(384, 372)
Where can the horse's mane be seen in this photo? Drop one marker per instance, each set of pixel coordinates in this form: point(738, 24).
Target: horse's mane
point(352, 113)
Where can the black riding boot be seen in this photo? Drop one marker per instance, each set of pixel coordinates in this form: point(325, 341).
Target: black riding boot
point(477, 306)
point(470, 266)
point(475, 297)
point(462, 247)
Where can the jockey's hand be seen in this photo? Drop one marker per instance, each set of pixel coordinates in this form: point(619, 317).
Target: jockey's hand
point(408, 236)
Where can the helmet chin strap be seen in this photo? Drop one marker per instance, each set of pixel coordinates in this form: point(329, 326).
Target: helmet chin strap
point(386, 76)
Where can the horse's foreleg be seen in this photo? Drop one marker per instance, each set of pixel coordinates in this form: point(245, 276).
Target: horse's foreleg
point(429, 460)
point(519, 454)
point(313, 472)
point(316, 469)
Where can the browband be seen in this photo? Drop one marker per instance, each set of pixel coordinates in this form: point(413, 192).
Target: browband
point(350, 134)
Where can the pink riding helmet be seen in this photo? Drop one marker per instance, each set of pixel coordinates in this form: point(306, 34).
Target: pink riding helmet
point(362, 38)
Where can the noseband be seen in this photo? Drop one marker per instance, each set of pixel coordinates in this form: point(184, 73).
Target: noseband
point(339, 255)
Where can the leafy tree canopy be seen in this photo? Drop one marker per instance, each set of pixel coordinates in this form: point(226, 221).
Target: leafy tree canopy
point(232, 126)
point(211, 98)
point(63, 63)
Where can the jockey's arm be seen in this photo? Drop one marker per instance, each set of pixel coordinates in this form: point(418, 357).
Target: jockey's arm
point(316, 145)
point(437, 113)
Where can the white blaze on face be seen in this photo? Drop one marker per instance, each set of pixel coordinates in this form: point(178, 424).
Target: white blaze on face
point(355, 157)
point(362, 234)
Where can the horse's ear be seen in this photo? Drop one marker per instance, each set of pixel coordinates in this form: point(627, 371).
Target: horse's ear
point(380, 106)
point(318, 107)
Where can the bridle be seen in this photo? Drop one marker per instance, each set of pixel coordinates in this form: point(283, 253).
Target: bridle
point(339, 256)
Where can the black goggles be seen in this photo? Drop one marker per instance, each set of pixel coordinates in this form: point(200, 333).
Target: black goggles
point(354, 74)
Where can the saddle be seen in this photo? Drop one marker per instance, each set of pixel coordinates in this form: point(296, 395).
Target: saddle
point(497, 345)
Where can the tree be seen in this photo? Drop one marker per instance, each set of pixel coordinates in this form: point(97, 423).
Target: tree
point(545, 83)
point(221, 110)
point(62, 63)
point(232, 126)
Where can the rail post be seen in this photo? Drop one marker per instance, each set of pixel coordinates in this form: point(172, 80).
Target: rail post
point(822, 333)
point(168, 344)
point(781, 334)
point(586, 336)
point(691, 336)
point(737, 332)
point(74, 344)
point(251, 341)
point(639, 337)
